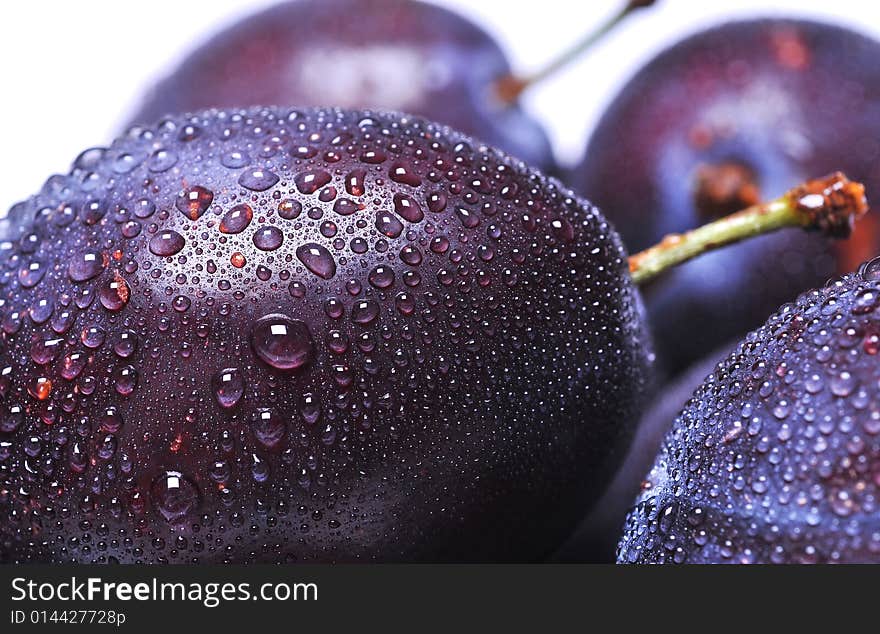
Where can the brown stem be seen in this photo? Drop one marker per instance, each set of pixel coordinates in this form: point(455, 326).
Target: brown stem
point(830, 205)
point(511, 86)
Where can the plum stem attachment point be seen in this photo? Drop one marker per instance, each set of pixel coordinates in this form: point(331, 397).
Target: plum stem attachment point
point(830, 205)
point(511, 86)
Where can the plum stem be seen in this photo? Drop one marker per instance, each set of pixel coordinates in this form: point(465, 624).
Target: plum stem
point(511, 86)
point(829, 205)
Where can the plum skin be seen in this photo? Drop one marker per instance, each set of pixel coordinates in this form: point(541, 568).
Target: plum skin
point(774, 459)
point(401, 55)
point(455, 384)
point(784, 99)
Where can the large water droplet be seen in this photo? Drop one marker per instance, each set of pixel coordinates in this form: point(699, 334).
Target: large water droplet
point(407, 208)
point(437, 202)
point(85, 266)
point(11, 418)
point(42, 310)
point(346, 206)
point(166, 243)
point(126, 344)
point(403, 173)
point(317, 259)
point(228, 387)
point(365, 312)
point(161, 161)
point(843, 383)
point(355, 182)
point(405, 303)
point(310, 182)
point(93, 336)
point(32, 274)
point(72, 365)
point(92, 212)
point(175, 497)
point(125, 379)
point(467, 217)
point(235, 159)
point(282, 342)
point(237, 219)
point(388, 225)
point(381, 276)
point(268, 238)
point(40, 388)
point(411, 255)
point(193, 203)
point(79, 460)
point(268, 427)
point(373, 157)
point(870, 270)
point(258, 179)
point(144, 208)
point(111, 420)
point(114, 294)
point(45, 350)
point(289, 209)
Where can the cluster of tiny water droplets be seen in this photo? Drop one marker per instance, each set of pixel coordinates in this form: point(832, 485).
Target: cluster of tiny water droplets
point(776, 457)
point(272, 335)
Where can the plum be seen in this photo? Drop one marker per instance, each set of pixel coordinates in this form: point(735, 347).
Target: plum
point(776, 456)
point(729, 116)
point(399, 55)
point(271, 335)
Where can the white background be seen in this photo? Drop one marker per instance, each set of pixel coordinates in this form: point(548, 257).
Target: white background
point(73, 71)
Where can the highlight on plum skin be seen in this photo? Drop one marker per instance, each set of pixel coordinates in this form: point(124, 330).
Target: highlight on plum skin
point(401, 55)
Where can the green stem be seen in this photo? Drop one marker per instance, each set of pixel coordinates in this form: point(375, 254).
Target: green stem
point(829, 205)
point(510, 87)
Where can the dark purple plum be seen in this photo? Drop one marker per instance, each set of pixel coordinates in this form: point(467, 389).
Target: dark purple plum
point(399, 55)
point(728, 116)
point(315, 335)
point(776, 457)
